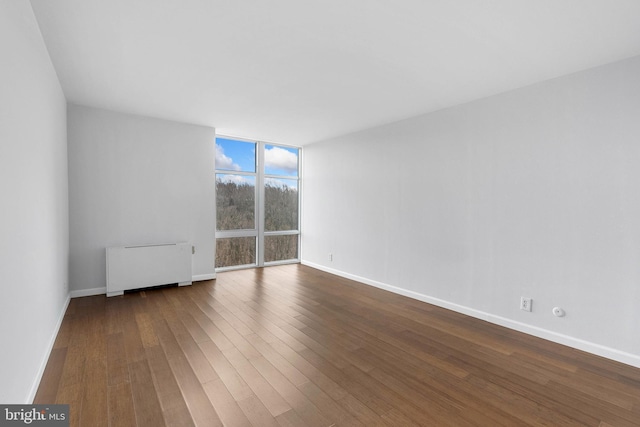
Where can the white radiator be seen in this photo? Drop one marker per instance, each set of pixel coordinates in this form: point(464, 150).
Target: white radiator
point(135, 267)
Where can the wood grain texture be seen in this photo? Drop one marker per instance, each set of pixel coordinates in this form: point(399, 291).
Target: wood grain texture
point(294, 346)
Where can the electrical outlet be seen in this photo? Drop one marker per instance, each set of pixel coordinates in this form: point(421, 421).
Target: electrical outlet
point(525, 304)
point(330, 257)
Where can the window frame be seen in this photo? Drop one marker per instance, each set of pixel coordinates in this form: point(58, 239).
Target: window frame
point(259, 231)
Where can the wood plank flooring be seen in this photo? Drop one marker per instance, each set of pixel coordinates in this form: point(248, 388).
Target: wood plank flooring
point(294, 346)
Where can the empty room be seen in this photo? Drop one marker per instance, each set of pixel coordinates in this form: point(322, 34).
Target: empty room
point(305, 213)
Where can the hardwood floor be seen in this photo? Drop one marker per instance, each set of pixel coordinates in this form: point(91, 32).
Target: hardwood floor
point(294, 346)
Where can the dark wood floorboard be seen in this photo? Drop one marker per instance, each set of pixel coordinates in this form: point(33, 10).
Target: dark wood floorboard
point(294, 346)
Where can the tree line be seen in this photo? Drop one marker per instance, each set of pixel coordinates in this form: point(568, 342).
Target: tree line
point(235, 210)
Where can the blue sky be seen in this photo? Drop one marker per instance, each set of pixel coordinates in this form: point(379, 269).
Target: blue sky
point(240, 156)
point(235, 155)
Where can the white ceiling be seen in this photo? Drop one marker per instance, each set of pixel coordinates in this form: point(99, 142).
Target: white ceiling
point(299, 71)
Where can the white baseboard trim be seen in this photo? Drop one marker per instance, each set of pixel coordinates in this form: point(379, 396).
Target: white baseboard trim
point(201, 277)
point(45, 359)
point(88, 292)
point(589, 347)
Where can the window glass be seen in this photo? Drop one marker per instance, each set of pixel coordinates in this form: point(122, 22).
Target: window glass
point(280, 248)
point(232, 155)
point(233, 251)
point(235, 202)
point(281, 161)
point(280, 204)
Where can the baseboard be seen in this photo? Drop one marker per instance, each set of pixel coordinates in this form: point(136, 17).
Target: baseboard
point(45, 359)
point(88, 292)
point(201, 277)
point(589, 347)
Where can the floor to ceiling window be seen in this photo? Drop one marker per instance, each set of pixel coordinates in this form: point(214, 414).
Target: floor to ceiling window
point(257, 203)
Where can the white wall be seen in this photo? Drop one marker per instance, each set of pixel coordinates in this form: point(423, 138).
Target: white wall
point(136, 180)
point(34, 243)
point(534, 192)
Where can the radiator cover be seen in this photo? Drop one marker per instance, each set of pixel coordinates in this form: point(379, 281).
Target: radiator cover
point(136, 267)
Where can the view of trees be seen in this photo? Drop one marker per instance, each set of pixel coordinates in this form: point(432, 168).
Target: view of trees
point(278, 248)
point(280, 207)
point(235, 251)
point(235, 205)
point(235, 210)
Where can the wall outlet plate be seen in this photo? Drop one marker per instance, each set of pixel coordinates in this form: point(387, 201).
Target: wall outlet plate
point(525, 304)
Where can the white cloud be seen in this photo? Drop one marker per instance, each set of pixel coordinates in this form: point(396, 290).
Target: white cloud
point(223, 161)
point(279, 158)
